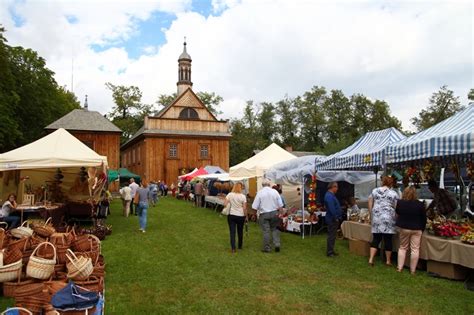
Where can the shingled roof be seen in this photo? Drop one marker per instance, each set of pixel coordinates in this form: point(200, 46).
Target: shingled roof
point(84, 120)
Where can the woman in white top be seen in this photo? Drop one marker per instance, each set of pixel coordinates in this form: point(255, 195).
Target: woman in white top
point(237, 214)
point(8, 207)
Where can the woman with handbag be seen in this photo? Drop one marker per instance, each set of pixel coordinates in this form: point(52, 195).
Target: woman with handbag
point(237, 202)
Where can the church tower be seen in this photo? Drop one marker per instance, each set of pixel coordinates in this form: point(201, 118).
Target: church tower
point(184, 71)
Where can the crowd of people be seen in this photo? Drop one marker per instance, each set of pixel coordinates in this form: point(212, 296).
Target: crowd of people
point(391, 212)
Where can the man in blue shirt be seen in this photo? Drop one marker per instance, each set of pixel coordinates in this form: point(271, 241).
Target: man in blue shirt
point(333, 215)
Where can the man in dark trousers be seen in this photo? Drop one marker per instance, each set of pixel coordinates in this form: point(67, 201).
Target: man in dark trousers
point(333, 215)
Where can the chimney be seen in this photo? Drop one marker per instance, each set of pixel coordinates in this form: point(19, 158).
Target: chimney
point(289, 148)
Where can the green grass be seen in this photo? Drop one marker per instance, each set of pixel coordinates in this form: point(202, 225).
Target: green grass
point(183, 264)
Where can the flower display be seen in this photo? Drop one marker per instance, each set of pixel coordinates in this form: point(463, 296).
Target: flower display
point(312, 195)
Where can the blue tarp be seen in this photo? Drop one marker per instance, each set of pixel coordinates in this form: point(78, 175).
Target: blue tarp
point(365, 153)
point(451, 137)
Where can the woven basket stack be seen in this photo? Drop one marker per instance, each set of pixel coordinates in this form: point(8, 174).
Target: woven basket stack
point(34, 266)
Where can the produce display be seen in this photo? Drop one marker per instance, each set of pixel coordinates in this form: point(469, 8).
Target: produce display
point(449, 228)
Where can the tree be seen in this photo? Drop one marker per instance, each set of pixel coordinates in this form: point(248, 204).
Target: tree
point(266, 124)
point(30, 98)
point(311, 118)
point(212, 101)
point(380, 117)
point(337, 111)
point(127, 100)
point(287, 127)
point(442, 105)
point(470, 95)
point(360, 107)
point(128, 113)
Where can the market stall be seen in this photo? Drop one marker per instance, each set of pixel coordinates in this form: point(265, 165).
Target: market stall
point(254, 168)
point(366, 153)
point(56, 169)
point(39, 259)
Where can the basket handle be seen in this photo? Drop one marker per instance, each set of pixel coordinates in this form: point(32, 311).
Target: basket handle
point(47, 221)
point(6, 225)
point(45, 244)
point(95, 238)
point(25, 222)
point(74, 257)
point(17, 309)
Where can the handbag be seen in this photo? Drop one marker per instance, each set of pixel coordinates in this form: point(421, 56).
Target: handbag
point(226, 210)
point(136, 198)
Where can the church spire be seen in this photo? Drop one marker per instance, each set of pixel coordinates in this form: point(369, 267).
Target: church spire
point(86, 104)
point(184, 70)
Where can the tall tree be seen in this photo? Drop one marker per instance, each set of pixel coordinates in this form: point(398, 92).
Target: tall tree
point(127, 100)
point(360, 105)
point(128, 112)
point(442, 104)
point(381, 118)
point(311, 118)
point(266, 124)
point(30, 98)
point(337, 109)
point(287, 127)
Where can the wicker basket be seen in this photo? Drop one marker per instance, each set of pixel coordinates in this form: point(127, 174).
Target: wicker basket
point(82, 243)
point(54, 286)
point(3, 233)
point(9, 288)
point(63, 238)
point(21, 310)
point(79, 268)
point(10, 272)
point(45, 230)
point(20, 244)
point(29, 290)
point(10, 256)
point(94, 283)
point(41, 268)
point(23, 230)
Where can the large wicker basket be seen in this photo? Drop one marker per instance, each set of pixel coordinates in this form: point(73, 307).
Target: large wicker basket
point(9, 288)
point(23, 230)
point(41, 268)
point(10, 272)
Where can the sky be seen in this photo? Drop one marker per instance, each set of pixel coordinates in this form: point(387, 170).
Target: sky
point(261, 50)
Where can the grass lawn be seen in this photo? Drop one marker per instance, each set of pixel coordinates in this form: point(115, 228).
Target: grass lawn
point(183, 264)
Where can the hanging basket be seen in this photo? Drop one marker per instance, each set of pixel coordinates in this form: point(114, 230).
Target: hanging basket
point(23, 230)
point(41, 268)
point(45, 230)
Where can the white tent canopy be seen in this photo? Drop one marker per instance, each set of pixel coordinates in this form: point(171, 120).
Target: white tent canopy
point(259, 163)
point(59, 149)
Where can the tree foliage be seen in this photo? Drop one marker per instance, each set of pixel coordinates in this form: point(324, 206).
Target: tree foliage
point(30, 98)
point(470, 95)
point(317, 121)
point(442, 104)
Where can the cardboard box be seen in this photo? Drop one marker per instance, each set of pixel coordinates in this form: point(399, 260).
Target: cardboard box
point(446, 270)
point(359, 248)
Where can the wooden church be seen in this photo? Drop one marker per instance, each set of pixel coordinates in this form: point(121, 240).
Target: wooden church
point(182, 136)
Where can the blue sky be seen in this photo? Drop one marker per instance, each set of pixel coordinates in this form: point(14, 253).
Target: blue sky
point(150, 32)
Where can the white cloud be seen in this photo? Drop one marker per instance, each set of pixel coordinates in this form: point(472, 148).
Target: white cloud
point(400, 52)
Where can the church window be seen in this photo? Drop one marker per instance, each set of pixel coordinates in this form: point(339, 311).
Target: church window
point(204, 151)
point(173, 151)
point(188, 113)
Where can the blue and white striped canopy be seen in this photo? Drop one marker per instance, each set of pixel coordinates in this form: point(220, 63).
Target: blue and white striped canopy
point(367, 152)
point(451, 137)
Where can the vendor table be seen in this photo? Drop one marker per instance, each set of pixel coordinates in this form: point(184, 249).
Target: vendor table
point(431, 248)
point(43, 211)
point(214, 200)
